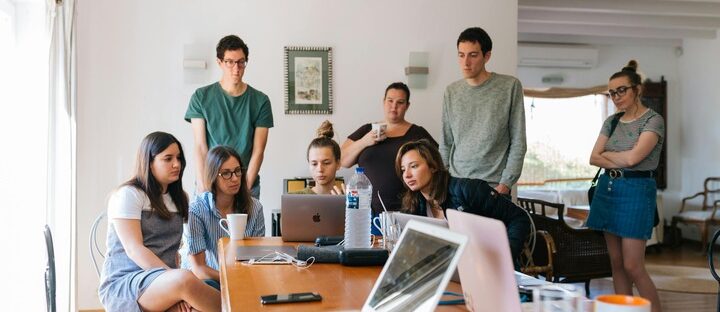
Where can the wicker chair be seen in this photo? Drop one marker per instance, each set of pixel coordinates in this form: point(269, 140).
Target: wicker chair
point(706, 216)
point(574, 255)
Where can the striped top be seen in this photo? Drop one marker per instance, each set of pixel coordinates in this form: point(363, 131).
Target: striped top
point(627, 134)
point(203, 230)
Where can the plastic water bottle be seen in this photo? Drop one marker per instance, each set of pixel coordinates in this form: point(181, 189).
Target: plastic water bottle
point(358, 194)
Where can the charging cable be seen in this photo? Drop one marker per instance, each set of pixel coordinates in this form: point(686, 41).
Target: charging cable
point(277, 257)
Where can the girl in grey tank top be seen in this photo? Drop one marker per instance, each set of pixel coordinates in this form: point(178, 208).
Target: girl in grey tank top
point(145, 217)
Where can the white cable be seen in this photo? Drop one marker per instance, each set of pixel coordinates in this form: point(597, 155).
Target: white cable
point(277, 257)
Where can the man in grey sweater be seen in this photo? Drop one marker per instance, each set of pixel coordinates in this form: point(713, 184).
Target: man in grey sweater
point(483, 118)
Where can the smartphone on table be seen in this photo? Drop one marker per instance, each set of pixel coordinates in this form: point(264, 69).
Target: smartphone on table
point(287, 298)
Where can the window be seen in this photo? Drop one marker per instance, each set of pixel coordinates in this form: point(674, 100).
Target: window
point(560, 136)
point(23, 100)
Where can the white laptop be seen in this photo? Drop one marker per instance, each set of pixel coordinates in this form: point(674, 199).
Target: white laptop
point(418, 270)
point(304, 217)
point(522, 280)
point(486, 269)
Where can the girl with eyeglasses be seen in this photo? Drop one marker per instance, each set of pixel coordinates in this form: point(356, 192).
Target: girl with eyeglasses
point(146, 216)
point(624, 205)
point(323, 156)
point(229, 193)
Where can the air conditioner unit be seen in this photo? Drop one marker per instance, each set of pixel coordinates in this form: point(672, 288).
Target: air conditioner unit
point(557, 56)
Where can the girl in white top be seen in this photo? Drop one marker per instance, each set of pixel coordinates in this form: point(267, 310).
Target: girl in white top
point(145, 218)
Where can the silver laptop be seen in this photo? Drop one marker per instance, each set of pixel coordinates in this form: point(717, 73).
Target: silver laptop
point(403, 218)
point(305, 217)
point(418, 271)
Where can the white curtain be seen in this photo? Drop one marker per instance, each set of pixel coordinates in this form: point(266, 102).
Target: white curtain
point(61, 206)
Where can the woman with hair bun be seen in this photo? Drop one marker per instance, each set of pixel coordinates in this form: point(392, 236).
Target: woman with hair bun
point(323, 155)
point(624, 202)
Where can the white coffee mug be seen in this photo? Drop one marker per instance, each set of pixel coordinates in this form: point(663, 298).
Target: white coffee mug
point(621, 303)
point(234, 225)
point(379, 128)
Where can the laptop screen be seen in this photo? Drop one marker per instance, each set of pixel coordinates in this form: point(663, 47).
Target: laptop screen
point(417, 273)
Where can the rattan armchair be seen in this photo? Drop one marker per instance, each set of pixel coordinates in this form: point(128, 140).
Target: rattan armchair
point(707, 215)
point(573, 254)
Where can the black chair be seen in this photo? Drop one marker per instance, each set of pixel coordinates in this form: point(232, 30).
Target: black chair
point(712, 264)
point(573, 254)
point(50, 271)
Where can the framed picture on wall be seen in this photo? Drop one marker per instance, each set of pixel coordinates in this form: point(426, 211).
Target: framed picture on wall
point(308, 80)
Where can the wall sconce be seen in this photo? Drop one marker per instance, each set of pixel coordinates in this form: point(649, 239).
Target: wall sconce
point(417, 70)
point(196, 58)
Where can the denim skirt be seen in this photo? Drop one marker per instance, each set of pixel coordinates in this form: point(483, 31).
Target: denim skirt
point(624, 207)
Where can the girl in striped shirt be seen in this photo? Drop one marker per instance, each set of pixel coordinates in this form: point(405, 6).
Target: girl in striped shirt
point(225, 178)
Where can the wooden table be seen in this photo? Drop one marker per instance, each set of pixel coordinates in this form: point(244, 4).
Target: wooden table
point(579, 212)
point(342, 287)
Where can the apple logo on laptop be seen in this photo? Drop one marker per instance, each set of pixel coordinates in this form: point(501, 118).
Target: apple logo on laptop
point(316, 217)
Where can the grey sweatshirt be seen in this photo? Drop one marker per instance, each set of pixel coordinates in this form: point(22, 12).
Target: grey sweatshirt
point(483, 133)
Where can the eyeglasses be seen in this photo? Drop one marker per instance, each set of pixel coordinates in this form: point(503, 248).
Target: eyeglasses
point(227, 175)
point(231, 63)
point(620, 91)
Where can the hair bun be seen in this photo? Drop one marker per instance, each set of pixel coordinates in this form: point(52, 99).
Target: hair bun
point(325, 130)
point(631, 66)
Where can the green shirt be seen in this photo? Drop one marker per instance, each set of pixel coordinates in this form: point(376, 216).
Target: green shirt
point(231, 120)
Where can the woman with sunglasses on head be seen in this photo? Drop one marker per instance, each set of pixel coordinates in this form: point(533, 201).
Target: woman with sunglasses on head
point(145, 221)
point(624, 202)
point(430, 191)
point(229, 193)
point(323, 156)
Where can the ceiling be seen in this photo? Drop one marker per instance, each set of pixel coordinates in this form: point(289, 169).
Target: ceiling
point(640, 22)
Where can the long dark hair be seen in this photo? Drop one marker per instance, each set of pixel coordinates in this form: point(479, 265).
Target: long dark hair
point(438, 181)
point(152, 145)
point(215, 158)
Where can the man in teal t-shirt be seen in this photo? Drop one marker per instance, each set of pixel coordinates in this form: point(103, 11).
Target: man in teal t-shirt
point(231, 112)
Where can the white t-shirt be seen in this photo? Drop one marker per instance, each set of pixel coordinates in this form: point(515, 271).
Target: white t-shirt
point(128, 202)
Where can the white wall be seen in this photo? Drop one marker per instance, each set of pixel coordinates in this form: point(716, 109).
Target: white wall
point(700, 134)
point(654, 62)
point(131, 80)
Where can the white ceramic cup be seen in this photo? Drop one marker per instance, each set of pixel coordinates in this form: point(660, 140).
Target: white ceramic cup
point(621, 303)
point(234, 225)
point(379, 128)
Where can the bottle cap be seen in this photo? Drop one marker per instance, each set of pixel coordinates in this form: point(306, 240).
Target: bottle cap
point(359, 170)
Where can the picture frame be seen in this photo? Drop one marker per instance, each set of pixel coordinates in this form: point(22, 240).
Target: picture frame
point(308, 80)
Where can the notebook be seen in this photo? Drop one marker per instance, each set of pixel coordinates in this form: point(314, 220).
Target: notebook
point(486, 270)
point(418, 270)
point(305, 217)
